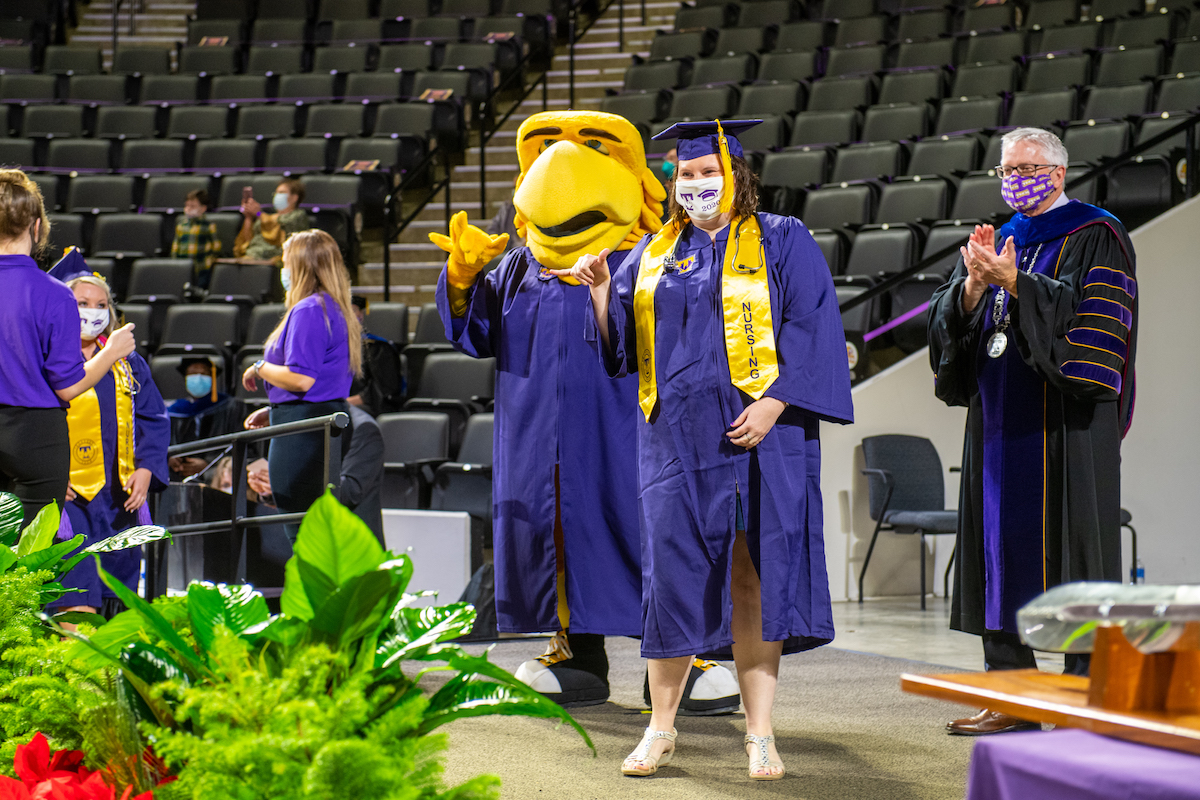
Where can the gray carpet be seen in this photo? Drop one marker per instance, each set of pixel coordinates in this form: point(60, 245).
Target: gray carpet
point(844, 728)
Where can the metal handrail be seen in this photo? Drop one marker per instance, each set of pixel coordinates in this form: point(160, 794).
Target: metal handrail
point(1187, 127)
point(331, 425)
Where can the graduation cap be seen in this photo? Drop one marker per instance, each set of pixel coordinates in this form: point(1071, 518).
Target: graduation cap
point(703, 138)
point(71, 265)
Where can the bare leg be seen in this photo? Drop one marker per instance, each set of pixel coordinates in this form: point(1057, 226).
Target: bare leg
point(667, 677)
point(757, 661)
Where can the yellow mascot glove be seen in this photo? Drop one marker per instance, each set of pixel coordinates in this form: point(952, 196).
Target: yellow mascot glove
point(470, 250)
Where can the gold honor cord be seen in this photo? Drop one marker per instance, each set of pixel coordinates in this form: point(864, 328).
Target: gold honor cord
point(745, 296)
point(87, 436)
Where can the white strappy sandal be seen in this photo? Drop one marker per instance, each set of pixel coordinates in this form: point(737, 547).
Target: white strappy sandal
point(640, 763)
point(762, 761)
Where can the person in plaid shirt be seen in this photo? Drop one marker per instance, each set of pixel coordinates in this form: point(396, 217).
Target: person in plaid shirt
point(196, 238)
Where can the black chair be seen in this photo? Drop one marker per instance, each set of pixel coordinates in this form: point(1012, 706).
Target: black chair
point(389, 320)
point(465, 484)
point(414, 445)
point(457, 385)
point(907, 495)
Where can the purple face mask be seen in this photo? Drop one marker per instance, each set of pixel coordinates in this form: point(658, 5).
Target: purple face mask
point(1025, 194)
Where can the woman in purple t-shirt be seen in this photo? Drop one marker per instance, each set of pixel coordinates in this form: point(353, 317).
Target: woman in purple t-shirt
point(42, 368)
point(310, 360)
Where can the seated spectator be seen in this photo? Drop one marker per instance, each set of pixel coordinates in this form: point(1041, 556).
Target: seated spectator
point(204, 413)
point(262, 234)
point(196, 238)
point(362, 472)
point(380, 388)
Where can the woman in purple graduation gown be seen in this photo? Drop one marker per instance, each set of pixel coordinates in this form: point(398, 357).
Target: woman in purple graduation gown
point(126, 415)
point(730, 319)
point(310, 360)
point(42, 368)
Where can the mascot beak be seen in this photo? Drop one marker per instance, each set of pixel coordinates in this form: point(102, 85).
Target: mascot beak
point(572, 197)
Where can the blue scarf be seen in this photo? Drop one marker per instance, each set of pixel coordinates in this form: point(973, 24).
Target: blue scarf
point(1052, 225)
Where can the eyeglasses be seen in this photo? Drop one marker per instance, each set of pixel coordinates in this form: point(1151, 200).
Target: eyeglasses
point(1024, 170)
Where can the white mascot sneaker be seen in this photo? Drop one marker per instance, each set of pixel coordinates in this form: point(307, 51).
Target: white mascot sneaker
point(711, 690)
point(551, 674)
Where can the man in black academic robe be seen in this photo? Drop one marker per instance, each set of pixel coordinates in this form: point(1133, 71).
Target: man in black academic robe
point(1035, 333)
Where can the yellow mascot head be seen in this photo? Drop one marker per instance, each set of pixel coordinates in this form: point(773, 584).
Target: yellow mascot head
point(584, 186)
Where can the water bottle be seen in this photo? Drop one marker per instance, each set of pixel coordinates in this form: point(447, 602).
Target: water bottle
point(1139, 572)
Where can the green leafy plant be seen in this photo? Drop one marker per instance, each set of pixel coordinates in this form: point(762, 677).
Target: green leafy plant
point(312, 702)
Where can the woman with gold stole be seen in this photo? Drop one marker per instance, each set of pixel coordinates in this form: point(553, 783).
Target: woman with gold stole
point(730, 319)
point(119, 434)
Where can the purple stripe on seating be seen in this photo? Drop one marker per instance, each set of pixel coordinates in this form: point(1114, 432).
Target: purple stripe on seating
point(900, 320)
point(1111, 277)
point(1092, 373)
point(1099, 340)
point(1106, 308)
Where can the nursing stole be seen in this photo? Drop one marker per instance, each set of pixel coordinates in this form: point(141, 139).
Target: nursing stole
point(746, 306)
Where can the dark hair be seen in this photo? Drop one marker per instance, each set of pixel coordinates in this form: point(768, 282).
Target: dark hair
point(745, 196)
point(295, 186)
point(199, 195)
point(21, 205)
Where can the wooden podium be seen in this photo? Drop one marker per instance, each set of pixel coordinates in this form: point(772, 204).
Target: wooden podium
point(1147, 698)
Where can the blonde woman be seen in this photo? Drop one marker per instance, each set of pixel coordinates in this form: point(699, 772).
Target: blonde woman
point(42, 369)
point(310, 360)
point(119, 433)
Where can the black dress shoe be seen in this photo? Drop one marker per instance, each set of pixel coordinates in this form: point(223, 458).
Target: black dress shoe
point(988, 722)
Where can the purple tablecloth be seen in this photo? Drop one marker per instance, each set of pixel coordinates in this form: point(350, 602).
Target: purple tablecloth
point(1077, 765)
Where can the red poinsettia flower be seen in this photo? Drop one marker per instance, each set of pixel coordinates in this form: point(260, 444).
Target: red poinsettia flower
point(34, 764)
point(13, 789)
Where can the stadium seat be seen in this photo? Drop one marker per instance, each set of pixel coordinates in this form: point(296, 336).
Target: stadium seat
point(208, 60)
point(944, 155)
point(387, 320)
point(166, 194)
point(841, 94)
point(281, 60)
point(375, 87)
point(414, 444)
point(1117, 102)
point(948, 233)
point(329, 121)
point(987, 18)
point(465, 484)
point(834, 206)
point(127, 235)
point(1047, 13)
point(158, 280)
point(855, 60)
point(1111, 9)
point(688, 44)
point(968, 115)
point(744, 40)
point(231, 29)
point(1126, 65)
point(233, 90)
point(263, 319)
point(706, 17)
point(1185, 57)
point(978, 197)
point(300, 90)
point(1143, 31)
point(79, 155)
point(66, 230)
point(916, 86)
point(48, 186)
point(97, 194)
point(979, 80)
point(913, 200)
point(1042, 109)
point(336, 59)
point(898, 121)
point(168, 90)
point(147, 155)
point(204, 327)
point(47, 122)
point(762, 13)
point(1048, 73)
point(1178, 94)
point(861, 31)
point(1093, 143)
point(17, 59)
point(869, 161)
point(404, 58)
point(654, 75)
point(922, 25)
point(138, 61)
point(232, 282)
point(777, 97)
point(266, 122)
point(1001, 47)
point(937, 53)
point(98, 90)
point(879, 250)
point(126, 122)
point(825, 127)
point(279, 31)
point(786, 176)
point(1068, 39)
point(72, 60)
point(21, 90)
point(454, 384)
point(284, 9)
point(724, 69)
point(197, 122)
point(912, 334)
point(225, 155)
point(777, 66)
point(803, 37)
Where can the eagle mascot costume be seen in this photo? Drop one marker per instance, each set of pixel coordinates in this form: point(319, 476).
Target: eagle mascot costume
point(566, 539)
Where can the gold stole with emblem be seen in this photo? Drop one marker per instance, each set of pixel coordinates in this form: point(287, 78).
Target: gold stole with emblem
point(87, 436)
point(746, 300)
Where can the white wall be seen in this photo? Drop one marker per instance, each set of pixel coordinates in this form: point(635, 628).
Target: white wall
point(1161, 455)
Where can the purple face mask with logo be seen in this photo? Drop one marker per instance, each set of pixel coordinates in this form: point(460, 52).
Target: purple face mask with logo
point(1025, 194)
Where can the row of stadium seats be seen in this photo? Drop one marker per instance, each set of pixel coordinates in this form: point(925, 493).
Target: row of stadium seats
point(657, 111)
point(333, 10)
point(1117, 64)
point(933, 23)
